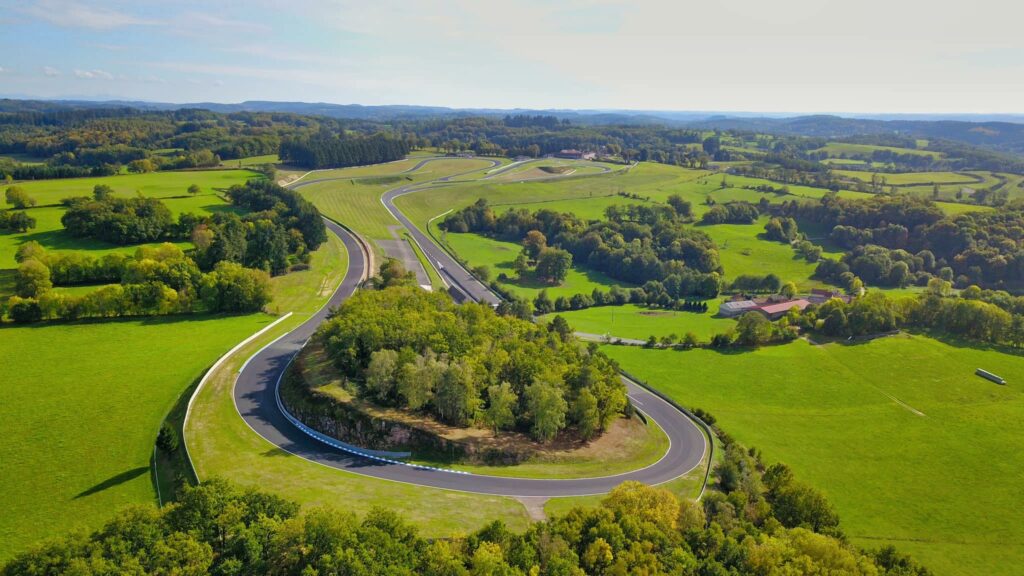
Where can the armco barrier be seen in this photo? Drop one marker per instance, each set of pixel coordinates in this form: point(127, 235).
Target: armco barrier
point(202, 382)
point(691, 416)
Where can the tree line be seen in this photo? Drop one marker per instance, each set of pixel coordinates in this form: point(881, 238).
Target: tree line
point(327, 151)
point(635, 244)
point(402, 346)
point(155, 281)
point(757, 519)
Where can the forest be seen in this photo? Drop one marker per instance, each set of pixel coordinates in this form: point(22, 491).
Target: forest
point(402, 346)
point(636, 243)
point(904, 240)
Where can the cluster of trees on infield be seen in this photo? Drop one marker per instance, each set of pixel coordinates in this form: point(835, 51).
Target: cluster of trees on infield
point(756, 519)
point(635, 244)
point(402, 346)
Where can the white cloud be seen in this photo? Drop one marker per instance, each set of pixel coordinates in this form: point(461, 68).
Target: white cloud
point(72, 14)
point(94, 74)
point(50, 71)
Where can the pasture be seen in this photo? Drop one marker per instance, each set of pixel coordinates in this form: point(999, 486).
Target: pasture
point(498, 256)
point(638, 322)
point(82, 406)
point(170, 187)
point(911, 447)
point(840, 149)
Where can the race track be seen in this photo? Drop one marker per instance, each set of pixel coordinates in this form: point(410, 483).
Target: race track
point(255, 392)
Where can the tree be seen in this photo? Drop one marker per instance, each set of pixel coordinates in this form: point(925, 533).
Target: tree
point(483, 272)
point(547, 408)
point(380, 375)
point(393, 273)
point(521, 265)
point(33, 279)
point(194, 189)
point(233, 288)
point(102, 192)
point(644, 503)
point(501, 400)
point(17, 196)
point(534, 243)
point(167, 439)
point(553, 265)
point(788, 290)
point(456, 397)
point(586, 414)
point(542, 303)
point(753, 329)
point(142, 166)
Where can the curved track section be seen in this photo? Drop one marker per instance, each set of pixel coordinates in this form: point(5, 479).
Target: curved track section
point(255, 396)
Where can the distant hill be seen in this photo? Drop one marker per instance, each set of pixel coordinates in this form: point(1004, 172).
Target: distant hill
point(1004, 132)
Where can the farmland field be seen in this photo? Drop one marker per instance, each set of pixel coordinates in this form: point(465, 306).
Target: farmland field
point(909, 178)
point(638, 322)
point(170, 187)
point(82, 406)
point(910, 446)
point(843, 148)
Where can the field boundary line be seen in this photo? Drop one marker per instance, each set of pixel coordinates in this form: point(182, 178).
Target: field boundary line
point(206, 376)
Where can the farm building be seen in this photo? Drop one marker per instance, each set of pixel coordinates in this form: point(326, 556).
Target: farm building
point(819, 296)
point(776, 311)
point(736, 308)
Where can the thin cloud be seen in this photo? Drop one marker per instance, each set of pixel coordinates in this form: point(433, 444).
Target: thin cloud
point(94, 74)
point(71, 14)
point(50, 71)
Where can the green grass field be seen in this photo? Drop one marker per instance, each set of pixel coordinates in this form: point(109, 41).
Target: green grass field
point(843, 148)
point(638, 322)
point(153, 185)
point(170, 187)
point(909, 178)
point(498, 255)
point(357, 203)
point(82, 406)
point(911, 446)
point(251, 161)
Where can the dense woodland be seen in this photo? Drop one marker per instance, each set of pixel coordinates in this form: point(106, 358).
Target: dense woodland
point(402, 346)
point(903, 240)
point(636, 244)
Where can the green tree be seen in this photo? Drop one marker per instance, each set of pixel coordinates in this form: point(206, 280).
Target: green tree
point(788, 290)
point(553, 265)
point(380, 375)
point(102, 192)
point(33, 279)
point(521, 265)
point(456, 397)
point(547, 408)
point(501, 400)
point(534, 243)
point(17, 196)
point(753, 329)
point(418, 379)
point(542, 303)
point(194, 189)
point(586, 414)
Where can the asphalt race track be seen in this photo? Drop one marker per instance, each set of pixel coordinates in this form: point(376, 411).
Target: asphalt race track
point(256, 400)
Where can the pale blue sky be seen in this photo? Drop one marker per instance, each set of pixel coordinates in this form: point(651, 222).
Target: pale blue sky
point(753, 55)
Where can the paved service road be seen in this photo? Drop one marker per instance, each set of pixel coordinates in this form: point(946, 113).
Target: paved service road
point(256, 400)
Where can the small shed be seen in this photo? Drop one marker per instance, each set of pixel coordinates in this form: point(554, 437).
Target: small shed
point(735, 308)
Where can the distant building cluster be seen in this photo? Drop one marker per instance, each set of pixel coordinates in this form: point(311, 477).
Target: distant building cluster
point(775, 306)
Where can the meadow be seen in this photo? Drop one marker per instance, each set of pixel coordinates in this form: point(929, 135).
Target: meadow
point(910, 178)
point(355, 198)
point(82, 407)
point(911, 447)
point(639, 322)
point(170, 187)
point(846, 149)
